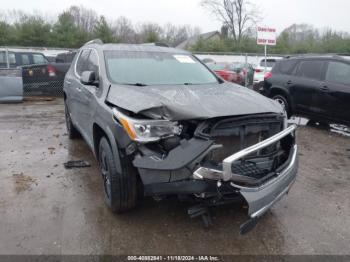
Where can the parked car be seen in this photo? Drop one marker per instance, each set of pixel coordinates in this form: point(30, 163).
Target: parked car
point(315, 86)
point(208, 60)
point(39, 75)
point(161, 124)
point(259, 72)
point(66, 57)
point(11, 85)
point(223, 70)
point(246, 70)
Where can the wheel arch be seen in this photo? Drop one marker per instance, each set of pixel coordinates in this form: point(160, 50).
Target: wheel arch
point(282, 91)
point(98, 133)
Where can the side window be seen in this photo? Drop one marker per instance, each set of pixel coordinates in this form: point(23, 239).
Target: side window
point(25, 59)
point(12, 60)
point(92, 64)
point(311, 69)
point(39, 59)
point(338, 72)
point(3, 59)
point(81, 65)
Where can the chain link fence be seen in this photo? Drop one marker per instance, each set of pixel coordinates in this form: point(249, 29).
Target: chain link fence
point(54, 89)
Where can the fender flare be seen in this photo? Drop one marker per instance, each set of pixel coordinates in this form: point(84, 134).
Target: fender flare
point(113, 143)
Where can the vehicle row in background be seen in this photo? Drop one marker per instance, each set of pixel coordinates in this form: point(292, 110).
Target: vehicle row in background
point(40, 76)
point(314, 86)
point(260, 71)
point(239, 73)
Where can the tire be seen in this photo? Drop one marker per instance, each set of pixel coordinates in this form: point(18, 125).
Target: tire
point(120, 190)
point(283, 101)
point(71, 130)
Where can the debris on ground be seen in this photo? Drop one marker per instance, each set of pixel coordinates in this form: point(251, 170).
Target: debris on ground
point(51, 150)
point(37, 98)
point(76, 164)
point(23, 182)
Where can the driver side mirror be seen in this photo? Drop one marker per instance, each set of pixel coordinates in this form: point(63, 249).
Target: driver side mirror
point(89, 78)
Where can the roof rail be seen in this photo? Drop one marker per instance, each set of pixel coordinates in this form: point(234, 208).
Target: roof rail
point(329, 55)
point(157, 44)
point(94, 41)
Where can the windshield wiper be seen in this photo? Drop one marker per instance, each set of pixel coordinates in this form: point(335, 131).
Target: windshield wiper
point(135, 84)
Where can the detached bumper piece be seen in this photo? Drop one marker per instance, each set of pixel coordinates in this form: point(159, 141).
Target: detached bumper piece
point(261, 197)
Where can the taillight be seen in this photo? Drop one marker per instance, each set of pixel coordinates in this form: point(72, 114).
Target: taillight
point(258, 70)
point(51, 70)
point(267, 75)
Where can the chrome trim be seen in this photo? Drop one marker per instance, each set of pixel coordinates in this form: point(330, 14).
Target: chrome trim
point(227, 163)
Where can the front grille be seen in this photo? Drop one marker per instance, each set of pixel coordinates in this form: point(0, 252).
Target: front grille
point(249, 169)
point(236, 134)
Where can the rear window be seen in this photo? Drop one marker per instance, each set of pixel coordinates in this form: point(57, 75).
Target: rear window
point(311, 69)
point(286, 67)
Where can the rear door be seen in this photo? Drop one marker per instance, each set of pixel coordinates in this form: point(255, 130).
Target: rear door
point(336, 89)
point(305, 87)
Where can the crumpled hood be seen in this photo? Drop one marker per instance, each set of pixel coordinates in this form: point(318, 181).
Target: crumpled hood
point(181, 102)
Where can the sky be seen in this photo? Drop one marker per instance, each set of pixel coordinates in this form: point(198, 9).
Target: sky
point(275, 13)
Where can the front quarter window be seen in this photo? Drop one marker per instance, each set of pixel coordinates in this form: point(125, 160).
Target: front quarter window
point(156, 68)
point(81, 64)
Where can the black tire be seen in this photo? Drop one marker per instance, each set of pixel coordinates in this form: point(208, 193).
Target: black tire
point(283, 101)
point(120, 190)
point(71, 130)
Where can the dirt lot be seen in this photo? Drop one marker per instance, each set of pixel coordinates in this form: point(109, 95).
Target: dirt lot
point(46, 209)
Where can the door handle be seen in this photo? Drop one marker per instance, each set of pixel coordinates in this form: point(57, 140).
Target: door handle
point(289, 82)
point(79, 89)
point(324, 88)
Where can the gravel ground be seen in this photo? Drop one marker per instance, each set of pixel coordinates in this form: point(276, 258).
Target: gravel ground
point(46, 209)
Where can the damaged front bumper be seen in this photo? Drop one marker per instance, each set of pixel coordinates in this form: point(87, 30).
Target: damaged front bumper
point(259, 197)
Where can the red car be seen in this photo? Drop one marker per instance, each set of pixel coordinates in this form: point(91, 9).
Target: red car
point(223, 70)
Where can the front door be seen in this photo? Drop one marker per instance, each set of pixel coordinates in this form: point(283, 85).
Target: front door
point(77, 91)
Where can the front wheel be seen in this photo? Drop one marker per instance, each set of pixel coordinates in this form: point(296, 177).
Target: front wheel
point(71, 130)
point(284, 103)
point(120, 190)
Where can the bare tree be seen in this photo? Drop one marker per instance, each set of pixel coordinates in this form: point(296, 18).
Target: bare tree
point(123, 30)
point(84, 18)
point(174, 35)
point(239, 16)
point(148, 32)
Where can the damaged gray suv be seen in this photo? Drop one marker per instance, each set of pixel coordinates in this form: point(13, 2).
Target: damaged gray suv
point(162, 124)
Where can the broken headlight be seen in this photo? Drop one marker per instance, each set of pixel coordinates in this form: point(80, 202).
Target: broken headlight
point(144, 130)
